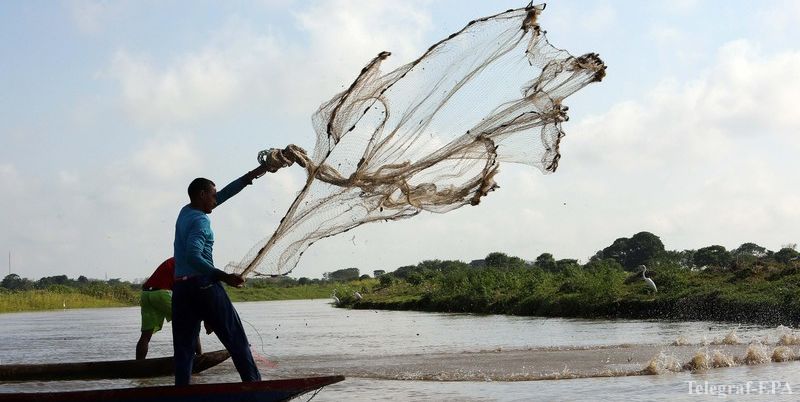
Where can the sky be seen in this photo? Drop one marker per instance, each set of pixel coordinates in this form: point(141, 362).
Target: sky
point(109, 109)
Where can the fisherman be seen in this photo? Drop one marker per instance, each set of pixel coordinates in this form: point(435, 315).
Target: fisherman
point(156, 306)
point(197, 293)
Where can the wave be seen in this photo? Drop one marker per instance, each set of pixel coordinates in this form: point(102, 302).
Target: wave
point(550, 363)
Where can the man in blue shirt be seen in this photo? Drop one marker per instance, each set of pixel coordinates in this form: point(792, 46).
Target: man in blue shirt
point(197, 294)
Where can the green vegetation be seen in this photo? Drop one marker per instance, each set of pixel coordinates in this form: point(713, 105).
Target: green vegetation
point(43, 300)
point(748, 284)
point(44, 295)
point(281, 289)
point(57, 292)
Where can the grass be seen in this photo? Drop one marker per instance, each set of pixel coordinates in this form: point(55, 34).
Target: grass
point(767, 293)
point(33, 300)
point(280, 293)
point(761, 291)
point(57, 296)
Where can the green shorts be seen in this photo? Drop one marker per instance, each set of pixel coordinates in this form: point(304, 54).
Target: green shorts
point(156, 307)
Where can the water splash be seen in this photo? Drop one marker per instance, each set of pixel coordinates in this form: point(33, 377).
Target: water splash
point(681, 341)
point(788, 339)
point(720, 359)
point(783, 354)
point(730, 339)
point(704, 360)
point(699, 362)
point(662, 363)
point(756, 354)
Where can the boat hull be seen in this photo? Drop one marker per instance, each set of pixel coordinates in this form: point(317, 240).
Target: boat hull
point(157, 367)
point(259, 391)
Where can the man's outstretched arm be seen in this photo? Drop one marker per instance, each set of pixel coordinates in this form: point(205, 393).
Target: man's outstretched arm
point(271, 161)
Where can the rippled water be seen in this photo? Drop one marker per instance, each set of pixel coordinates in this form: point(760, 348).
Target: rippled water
point(385, 353)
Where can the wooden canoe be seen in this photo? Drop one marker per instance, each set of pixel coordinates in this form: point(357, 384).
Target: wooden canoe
point(260, 391)
point(158, 367)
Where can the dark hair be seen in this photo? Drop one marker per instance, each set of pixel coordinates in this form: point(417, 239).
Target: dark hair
point(197, 185)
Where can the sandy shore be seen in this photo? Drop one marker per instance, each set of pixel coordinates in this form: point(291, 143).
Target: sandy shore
point(541, 364)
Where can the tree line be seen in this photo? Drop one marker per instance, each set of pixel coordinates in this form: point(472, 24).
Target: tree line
point(746, 284)
point(643, 248)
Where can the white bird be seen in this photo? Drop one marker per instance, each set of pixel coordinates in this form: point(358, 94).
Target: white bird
point(648, 280)
point(357, 295)
point(335, 299)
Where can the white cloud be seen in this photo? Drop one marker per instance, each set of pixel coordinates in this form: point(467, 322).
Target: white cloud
point(778, 16)
point(195, 85)
point(241, 65)
point(705, 155)
point(165, 159)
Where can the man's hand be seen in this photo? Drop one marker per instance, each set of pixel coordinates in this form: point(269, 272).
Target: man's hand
point(234, 280)
point(296, 154)
point(271, 160)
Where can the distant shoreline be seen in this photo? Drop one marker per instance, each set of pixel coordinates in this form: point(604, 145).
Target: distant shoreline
point(127, 296)
point(690, 309)
point(763, 293)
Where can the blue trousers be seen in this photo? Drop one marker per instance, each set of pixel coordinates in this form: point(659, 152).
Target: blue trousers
point(199, 299)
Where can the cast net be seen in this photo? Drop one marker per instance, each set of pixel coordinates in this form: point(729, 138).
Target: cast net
point(430, 135)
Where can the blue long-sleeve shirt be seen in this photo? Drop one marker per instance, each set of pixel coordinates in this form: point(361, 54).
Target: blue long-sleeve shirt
point(194, 239)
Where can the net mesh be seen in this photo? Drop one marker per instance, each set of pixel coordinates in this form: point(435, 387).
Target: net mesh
point(430, 135)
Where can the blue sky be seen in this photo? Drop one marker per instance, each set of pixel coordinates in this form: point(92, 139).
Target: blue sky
point(109, 109)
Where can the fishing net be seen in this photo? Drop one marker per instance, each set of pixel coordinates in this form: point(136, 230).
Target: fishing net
point(430, 135)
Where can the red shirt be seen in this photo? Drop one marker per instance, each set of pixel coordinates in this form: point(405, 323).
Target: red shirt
point(163, 278)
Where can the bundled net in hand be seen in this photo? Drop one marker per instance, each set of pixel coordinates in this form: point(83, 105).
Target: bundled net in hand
point(429, 136)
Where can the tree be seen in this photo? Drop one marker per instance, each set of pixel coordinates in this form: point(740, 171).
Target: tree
point(715, 256)
point(566, 263)
point(404, 271)
point(749, 249)
point(52, 280)
point(546, 262)
point(341, 275)
point(14, 282)
point(683, 259)
point(501, 260)
point(638, 250)
point(378, 272)
point(786, 254)
point(387, 280)
point(496, 259)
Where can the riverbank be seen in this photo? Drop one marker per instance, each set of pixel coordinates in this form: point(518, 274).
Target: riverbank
point(36, 300)
point(65, 297)
point(766, 293)
point(760, 294)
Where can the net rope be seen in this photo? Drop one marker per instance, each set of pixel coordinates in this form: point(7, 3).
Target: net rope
point(430, 135)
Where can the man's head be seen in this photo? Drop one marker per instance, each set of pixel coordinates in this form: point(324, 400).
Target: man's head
point(203, 194)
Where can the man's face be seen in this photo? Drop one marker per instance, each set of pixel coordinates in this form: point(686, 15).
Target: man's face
point(208, 199)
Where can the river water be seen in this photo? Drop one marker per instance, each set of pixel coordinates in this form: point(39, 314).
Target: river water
point(400, 355)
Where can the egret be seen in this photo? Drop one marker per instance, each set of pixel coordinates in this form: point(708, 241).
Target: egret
point(648, 280)
point(357, 295)
point(335, 299)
